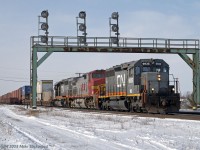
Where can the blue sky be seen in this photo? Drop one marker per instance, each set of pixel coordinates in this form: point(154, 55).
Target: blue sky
point(137, 18)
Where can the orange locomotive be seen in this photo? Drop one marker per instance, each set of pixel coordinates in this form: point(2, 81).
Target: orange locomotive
point(81, 92)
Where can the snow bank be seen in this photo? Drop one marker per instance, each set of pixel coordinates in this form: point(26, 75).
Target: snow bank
point(55, 128)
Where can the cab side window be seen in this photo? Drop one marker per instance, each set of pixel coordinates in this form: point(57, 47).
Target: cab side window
point(131, 72)
point(165, 69)
point(137, 70)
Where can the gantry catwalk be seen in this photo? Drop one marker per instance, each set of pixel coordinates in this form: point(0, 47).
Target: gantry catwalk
point(182, 47)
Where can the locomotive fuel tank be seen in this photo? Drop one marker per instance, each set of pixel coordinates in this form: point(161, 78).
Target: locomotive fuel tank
point(119, 105)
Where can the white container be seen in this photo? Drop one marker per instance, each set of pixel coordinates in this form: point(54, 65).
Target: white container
point(47, 96)
point(44, 86)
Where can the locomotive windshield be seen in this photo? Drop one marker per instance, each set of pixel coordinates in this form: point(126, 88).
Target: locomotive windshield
point(159, 69)
point(98, 75)
point(156, 69)
point(146, 69)
point(153, 66)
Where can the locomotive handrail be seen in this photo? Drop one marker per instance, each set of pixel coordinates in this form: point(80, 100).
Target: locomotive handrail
point(124, 42)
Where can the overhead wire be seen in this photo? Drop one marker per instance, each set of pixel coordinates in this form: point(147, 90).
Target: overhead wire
point(10, 68)
point(13, 80)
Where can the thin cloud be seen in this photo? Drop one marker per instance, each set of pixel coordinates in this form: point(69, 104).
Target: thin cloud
point(155, 24)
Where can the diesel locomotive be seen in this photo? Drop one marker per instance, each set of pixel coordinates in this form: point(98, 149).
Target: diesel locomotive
point(142, 86)
point(80, 91)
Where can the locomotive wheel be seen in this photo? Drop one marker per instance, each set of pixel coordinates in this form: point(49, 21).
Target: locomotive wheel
point(137, 108)
point(131, 108)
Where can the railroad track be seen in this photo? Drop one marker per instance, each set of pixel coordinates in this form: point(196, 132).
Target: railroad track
point(186, 113)
point(180, 115)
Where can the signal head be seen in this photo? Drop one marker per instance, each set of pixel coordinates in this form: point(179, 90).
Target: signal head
point(115, 15)
point(82, 14)
point(44, 14)
point(44, 26)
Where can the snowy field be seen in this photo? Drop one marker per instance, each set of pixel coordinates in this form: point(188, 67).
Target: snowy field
point(59, 129)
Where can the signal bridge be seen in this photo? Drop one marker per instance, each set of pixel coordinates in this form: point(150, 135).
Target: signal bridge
point(182, 47)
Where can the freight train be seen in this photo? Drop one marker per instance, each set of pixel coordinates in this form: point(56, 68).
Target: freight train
point(141, 86)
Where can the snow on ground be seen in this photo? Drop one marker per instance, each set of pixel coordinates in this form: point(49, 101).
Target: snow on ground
point(190, 110)
point(54, 129)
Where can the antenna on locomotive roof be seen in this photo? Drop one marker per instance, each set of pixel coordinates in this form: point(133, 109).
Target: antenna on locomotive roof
point(79, 74)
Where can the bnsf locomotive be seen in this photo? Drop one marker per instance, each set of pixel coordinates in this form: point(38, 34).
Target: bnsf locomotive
point(141, 86)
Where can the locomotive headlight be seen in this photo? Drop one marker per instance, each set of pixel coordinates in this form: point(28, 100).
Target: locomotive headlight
point(152, 90)
point(159, 77)
point(173, 89)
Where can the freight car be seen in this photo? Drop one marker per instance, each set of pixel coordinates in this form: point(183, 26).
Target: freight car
point(141, 86)
point(17, 96)
point(44, 92)
point(26, 94)
point(5, 99)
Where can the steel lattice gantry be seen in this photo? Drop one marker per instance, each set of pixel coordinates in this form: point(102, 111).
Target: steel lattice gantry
point(182, 47)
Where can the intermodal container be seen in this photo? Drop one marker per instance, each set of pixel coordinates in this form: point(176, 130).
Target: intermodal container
point(44, 86)
point(26, 91)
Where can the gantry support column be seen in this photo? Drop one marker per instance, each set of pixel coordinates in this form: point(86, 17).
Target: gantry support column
point(34, 78)
point(196, 78)
point(35, 65)
point(194, 64)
